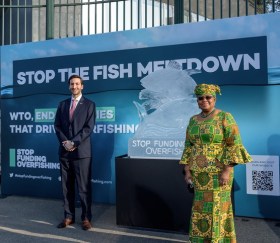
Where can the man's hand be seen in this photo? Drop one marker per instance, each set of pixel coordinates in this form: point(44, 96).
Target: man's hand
point(68, 145)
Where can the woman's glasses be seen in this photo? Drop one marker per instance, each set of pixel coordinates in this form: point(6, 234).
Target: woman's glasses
point(207, 97)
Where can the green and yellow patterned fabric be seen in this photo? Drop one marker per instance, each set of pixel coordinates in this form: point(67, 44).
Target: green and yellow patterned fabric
point(211, 144)
point(203, 89)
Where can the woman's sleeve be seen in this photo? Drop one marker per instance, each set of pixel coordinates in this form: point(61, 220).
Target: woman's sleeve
point(234, 151)
point(187, 150)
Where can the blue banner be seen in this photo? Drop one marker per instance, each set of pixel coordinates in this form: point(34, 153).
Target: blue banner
point(224, 62)
point(243, 61)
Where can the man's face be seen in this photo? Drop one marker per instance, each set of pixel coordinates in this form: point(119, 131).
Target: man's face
point(75, 87)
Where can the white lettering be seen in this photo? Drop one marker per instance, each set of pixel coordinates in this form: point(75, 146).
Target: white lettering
point(235, 64)
point(255, 63)
point(38, 77)
point(214, 67)
point(141, 70)
point(115, 128)
point(20, 116)
point(21, 128)
point(65, 73)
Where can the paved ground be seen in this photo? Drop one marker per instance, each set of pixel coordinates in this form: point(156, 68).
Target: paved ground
point(25, 220)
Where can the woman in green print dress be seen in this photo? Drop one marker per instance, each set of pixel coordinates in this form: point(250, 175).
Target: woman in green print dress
point(213, 146)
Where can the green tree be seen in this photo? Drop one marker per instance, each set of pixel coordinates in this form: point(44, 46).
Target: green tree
point(271, 5)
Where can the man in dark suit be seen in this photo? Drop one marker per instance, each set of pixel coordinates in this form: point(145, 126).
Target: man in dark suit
point(74, 123)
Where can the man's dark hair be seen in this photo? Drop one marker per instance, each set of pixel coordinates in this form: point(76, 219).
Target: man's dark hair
point(75, 76)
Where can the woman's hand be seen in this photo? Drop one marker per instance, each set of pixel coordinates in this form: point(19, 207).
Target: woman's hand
point(225, 175)
point(188, 175)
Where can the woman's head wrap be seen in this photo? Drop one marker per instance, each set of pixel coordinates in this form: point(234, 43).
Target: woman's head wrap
point(203, 89)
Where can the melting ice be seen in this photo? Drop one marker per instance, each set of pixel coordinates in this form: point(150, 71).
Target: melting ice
point(168, 103)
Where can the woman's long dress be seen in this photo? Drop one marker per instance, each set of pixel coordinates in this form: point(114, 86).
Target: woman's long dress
point(211, 144)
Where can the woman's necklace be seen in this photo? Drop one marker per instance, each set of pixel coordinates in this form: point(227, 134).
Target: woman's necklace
point(204, 116)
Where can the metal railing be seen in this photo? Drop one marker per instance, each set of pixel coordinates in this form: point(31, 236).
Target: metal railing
point(26, 20)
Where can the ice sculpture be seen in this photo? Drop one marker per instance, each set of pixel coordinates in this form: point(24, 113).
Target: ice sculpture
point(168, 104)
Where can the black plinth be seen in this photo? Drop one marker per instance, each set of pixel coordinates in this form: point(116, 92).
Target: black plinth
point(152, 193)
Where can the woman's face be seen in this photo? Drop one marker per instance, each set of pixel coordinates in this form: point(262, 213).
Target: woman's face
point(206, 102)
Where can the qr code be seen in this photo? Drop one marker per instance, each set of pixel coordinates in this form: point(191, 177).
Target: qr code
point(262, 180)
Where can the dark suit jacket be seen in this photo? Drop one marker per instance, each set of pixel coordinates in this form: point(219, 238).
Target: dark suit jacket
point(78, 130)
